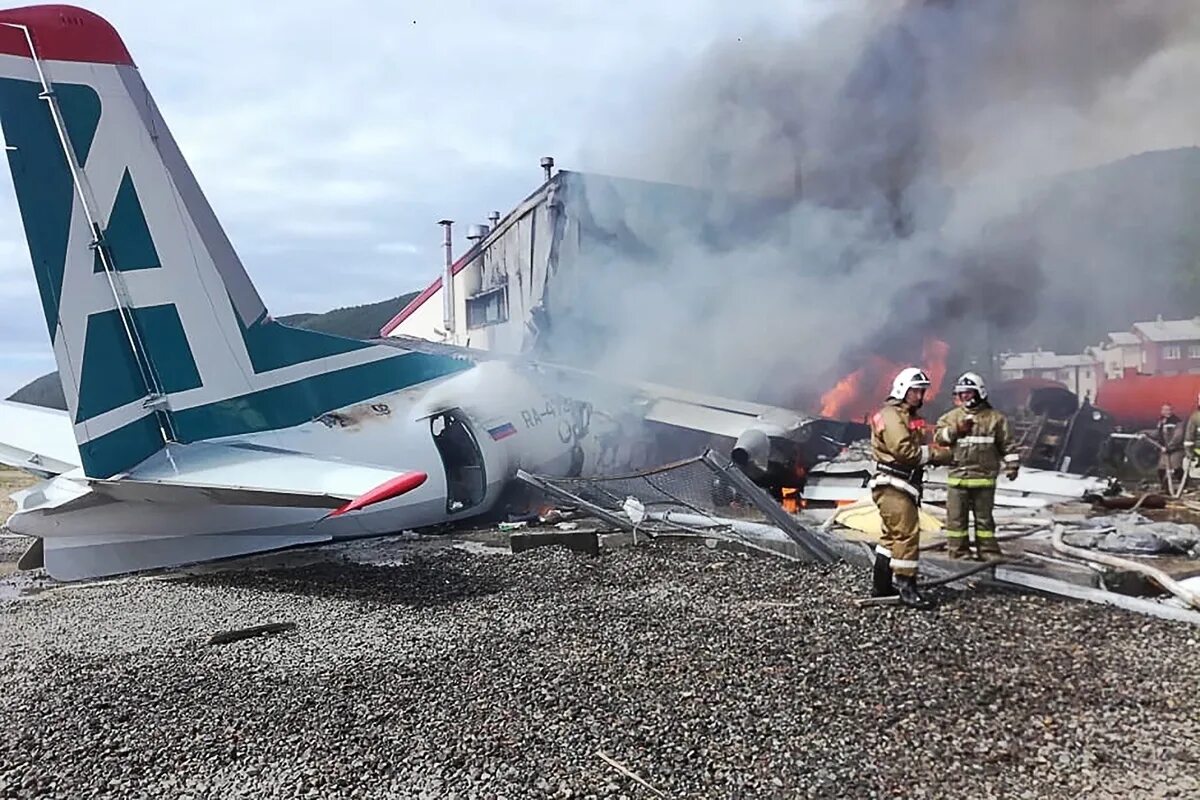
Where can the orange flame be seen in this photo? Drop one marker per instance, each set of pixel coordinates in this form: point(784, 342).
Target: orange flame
point(860, 392)
point(933, 354)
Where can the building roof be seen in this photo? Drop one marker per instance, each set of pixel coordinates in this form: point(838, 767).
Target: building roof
point(430, 291)
point(465, 259)
point(1123, 339)
point(1169, 330)
point(607, 202)
point(1044, 359)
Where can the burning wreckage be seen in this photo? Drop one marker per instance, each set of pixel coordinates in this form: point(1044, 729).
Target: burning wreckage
point(804, 494)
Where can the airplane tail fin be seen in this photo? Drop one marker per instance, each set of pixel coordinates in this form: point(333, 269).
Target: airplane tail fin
point(158, 332)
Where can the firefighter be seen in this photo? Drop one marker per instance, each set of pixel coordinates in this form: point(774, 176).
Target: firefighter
point(981, 444)
point(1191, 430)
point(1169, 436)
point(897, 442)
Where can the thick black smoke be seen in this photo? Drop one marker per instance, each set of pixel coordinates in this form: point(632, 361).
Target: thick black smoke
point(904, 161)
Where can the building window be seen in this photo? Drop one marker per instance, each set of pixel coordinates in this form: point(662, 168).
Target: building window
point(1172, 352)
point(1194, 352)
point(488, 308)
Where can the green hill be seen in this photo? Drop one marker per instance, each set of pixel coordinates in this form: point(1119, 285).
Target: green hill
point(356, 322)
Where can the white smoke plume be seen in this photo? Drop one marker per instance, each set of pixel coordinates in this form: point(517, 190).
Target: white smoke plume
point(894, 171)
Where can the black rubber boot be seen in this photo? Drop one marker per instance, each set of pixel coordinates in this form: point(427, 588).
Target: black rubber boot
point(881, 577)
point(909, 596)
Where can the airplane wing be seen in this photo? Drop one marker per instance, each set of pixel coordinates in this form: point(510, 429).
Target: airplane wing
point(37, 440)
point(193, 480)
point(241, 474)
point(721, 416)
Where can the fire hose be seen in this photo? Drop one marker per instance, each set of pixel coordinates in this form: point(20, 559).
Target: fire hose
point(1158, 576)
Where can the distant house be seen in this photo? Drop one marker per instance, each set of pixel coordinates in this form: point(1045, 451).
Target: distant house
point(1169, 347)
point(1121, 355)
point(1081, 373)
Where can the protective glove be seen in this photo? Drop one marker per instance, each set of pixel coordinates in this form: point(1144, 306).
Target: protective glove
point(964, 426)
point(1011, 473)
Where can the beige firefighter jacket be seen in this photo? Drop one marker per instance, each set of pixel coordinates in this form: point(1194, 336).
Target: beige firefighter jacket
point(981, 453)
point(1191, 431)
point(898, 444)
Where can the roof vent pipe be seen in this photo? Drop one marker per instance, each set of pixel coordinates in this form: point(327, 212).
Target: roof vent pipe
point(477, 233)
point(494, 218)
point(548, 166)
point(448, 281)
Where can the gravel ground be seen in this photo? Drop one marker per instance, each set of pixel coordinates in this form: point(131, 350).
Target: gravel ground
point(11, 547)
point(463, 674)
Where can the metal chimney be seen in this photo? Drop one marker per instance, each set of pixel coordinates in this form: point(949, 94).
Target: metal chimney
point(548, 165)
point(477, 233)
point(494, 218)
point(448, 280)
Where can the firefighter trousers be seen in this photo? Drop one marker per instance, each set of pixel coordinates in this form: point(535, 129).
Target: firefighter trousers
point(961, 503)
point(900, 538)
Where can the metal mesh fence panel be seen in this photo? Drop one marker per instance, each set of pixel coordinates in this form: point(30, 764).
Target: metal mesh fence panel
point(690, 497)
point(686, 487)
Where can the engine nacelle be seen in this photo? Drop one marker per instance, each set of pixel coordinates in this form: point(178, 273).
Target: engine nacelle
point(779, 456)
point(769, 454)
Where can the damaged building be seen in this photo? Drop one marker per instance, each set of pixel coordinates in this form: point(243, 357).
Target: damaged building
point(530, 272)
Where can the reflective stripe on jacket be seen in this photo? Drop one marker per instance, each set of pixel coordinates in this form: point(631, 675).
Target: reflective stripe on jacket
point(898, 444)
point(982, 452)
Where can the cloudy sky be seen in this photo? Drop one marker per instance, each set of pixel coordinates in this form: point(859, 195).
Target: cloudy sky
point(330, 138)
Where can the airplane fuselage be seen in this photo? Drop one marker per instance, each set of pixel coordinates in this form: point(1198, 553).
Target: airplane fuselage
point(469, 433)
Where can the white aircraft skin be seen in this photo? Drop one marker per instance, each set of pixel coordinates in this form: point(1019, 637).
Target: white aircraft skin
point(122, 535)
point(202, 428)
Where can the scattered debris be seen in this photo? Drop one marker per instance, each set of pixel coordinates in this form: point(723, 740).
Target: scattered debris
point(1158, 576)
point(844, 480)
point(1135, 534)
point(270, 629)
point(633, 776)
point(1129, 503)
point(691, 499)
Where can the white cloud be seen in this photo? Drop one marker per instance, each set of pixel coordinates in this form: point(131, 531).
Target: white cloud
point(393, 248)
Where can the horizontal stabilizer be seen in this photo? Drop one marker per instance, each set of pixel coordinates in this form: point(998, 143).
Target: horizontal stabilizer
point(246, 474)
point(210, 501)
point(37, 440)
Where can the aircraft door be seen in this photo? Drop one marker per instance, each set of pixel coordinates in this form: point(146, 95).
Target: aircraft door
point(466, 481)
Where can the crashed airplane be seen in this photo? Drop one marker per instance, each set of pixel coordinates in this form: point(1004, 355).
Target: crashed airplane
point(198, 427)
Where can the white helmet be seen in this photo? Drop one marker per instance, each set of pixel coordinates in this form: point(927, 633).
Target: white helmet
point(968, 381)
point(909, 378)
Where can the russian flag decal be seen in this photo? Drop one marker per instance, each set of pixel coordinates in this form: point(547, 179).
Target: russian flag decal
point(502, 431)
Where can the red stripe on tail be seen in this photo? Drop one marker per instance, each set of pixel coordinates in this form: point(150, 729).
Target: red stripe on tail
point(62, 33)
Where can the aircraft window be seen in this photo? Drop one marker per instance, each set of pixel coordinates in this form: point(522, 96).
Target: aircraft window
point(462, 460)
